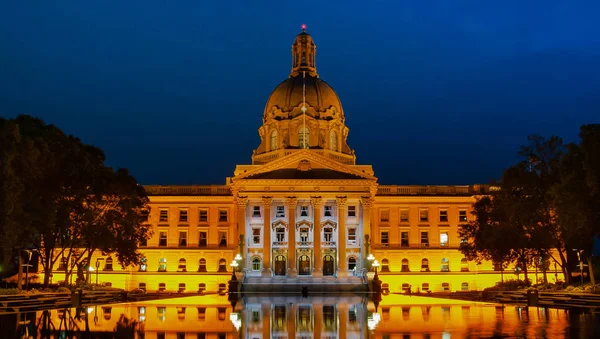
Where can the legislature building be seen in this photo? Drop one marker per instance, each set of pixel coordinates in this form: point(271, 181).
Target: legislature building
point(303, 211)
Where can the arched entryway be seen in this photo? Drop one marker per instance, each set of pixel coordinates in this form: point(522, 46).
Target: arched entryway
point(280, 265)
point(328, 265)
point(304, 265)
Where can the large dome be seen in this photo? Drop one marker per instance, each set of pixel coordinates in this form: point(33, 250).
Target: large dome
point(289, 94)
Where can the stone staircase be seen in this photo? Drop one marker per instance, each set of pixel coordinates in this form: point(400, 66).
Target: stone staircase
point(294, 285)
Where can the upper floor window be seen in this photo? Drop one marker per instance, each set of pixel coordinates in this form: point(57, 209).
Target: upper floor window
point(162, 239)
point(384, 215)
point(256, 211)
point(444, 239)
point(424, 239)
point(162, 265)
point(303, 137)
point(445, 265)
point(183, 215)
point(280, 234)
point(405, 267)
point(304, 211)
point(274, 140)
point(385, 238)
point(280, 211)
point(108, 265)
point(404, 215)
point(182, 239)
point(333, 141)
point(404, 239)
point(182, 266)
point(385, 265)
point(423, 215)
point(223, 215)
point(328, 212)
point(256, 236)
point(202, 265)
point(164, 215)
point(351, 211)
point(304, 234)
point(443, 215)
point(222, 239)
point(352, 236)
point(328, 233)
point(462, 215)
point(256, 264)
point(203, 215)
point(203, 239)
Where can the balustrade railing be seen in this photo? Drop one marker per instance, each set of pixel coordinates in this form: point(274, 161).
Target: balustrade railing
point(432, 190)
point(328, 244)
point(188, 190)
point(304, 244)
point(279, 243)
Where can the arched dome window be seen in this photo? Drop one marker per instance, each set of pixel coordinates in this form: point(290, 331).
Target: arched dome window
point(274, 140)
point(333, 141)
point(303, 137)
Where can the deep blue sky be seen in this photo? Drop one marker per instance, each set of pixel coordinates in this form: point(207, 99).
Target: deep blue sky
point(434, 92)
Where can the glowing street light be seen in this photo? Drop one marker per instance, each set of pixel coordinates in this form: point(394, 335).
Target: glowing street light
point(375, 265)
point(370, 259)
point(234, 264)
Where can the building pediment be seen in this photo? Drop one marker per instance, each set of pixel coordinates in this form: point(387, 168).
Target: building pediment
point(305, 165)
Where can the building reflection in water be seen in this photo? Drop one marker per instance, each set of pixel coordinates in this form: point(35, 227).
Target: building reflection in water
point(326, 316)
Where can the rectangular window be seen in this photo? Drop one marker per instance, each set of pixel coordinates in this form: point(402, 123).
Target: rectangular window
point(384, 215)
point(423, 215)
point(182, 239)
point(424, 239)
point(304, 234)
point(162, 239)
point(280, 233)
point(352, 211)
point(328, 212)
point(384, 239)
point(203, 239)
point(443, 215)
point(164, 216)
point(304, 211)
point(222, 239)
point(256, 211)
point(462, 215)
point(280, 211)
point(352, 236)
point(404, 239)
point(328, 234)
point(222, 215)
point(203, 215)
point(146, 215)
point(444, 239)
point(404, 215)
point(256, 236)
point(183, 216)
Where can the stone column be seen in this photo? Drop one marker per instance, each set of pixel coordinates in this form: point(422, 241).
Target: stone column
point(242, 203)
point(318, 264)
point(318, 320)
point(343, 312)
point(291, 203)
point(367, 204)
point(342, 265)
point(267, 315)
point(267, 201)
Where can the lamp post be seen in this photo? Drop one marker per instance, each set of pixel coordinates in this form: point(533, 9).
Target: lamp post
point(98, 268)
point(238, 258)
point(234, 264)
point(370, 259)
point(29, 254)
point(581, 265)
point(375, 265)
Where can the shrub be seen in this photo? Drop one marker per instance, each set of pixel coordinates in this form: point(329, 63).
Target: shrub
point(8, 291)
point(509, 285)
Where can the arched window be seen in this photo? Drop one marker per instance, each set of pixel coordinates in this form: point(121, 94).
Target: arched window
point(182, 267)
point(405, 267)
point(162, 287)
point(445, 287)
point(108, 265)
point(333, 141)
point(274, 140)
point(222, 265)
point(202, 265)
point(464, 265)
point(425, 287)
point(143, 264)
point(445, 265)
point(385, 265)
point(464, 286)
point(303, 137)
point(256, 264)
point(351, 263)
point(424, 265)
point(162, 265)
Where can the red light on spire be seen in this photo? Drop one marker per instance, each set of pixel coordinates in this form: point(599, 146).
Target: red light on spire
point(303, 27)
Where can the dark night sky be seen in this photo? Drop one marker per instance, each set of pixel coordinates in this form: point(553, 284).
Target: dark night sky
point(435, 92)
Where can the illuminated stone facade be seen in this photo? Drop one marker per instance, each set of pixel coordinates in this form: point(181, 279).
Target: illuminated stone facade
point(304, 210)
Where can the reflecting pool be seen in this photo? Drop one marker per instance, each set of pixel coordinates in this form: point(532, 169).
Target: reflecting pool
point(318, 316)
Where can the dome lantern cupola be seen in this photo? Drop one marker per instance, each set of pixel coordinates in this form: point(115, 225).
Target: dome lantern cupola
point(303, 55)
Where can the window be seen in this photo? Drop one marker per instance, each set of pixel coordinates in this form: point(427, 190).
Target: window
point(182, 267)
point(164, 215)
point(280, 211)
point(404, 239)
point(280, 234)
point(462, 215)
point(405, 267)
point(203, 215)
point(256, 316)
point(183, 216)
point(256, 264)
point(222, 239)
point(108, 265)
point(384, 215)
point(352, 317)
point(444, 239)
point(146, 215)
point(423, 215)
point(328, 212)
point(304, 234)
point(425, 287)
point(162, 265)
point(405, 287)
point(443, 215)
point(404, 215)
point(162, 239)
point(445, 265)
point(352, 236)
point(464, 286)
point(63, 264)
point(223, 216)
point(202, 265)
point(202, 310)
point(303, 137)
point(221, 312)
point(256, 211)
point(256, 236)
point(424, 265)
point(464, 265)
point(274, 140)
point(424, 239)
point(352, 211)
point(384, 239)
point(142, 286)
point(333, 143)
point(161, 288)
point(203, 239)
point(143, 264)
point(351, 263)
point(385, 265)
point(182, 239)
point(445, 287)
point(181, 310)
point(222, 265)
point(304, 211)
point(328, 234)
point(201, 289)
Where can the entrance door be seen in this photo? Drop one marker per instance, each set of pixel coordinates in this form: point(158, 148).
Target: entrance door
point(304, 265)
point(280, 265)
point(328, 265)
